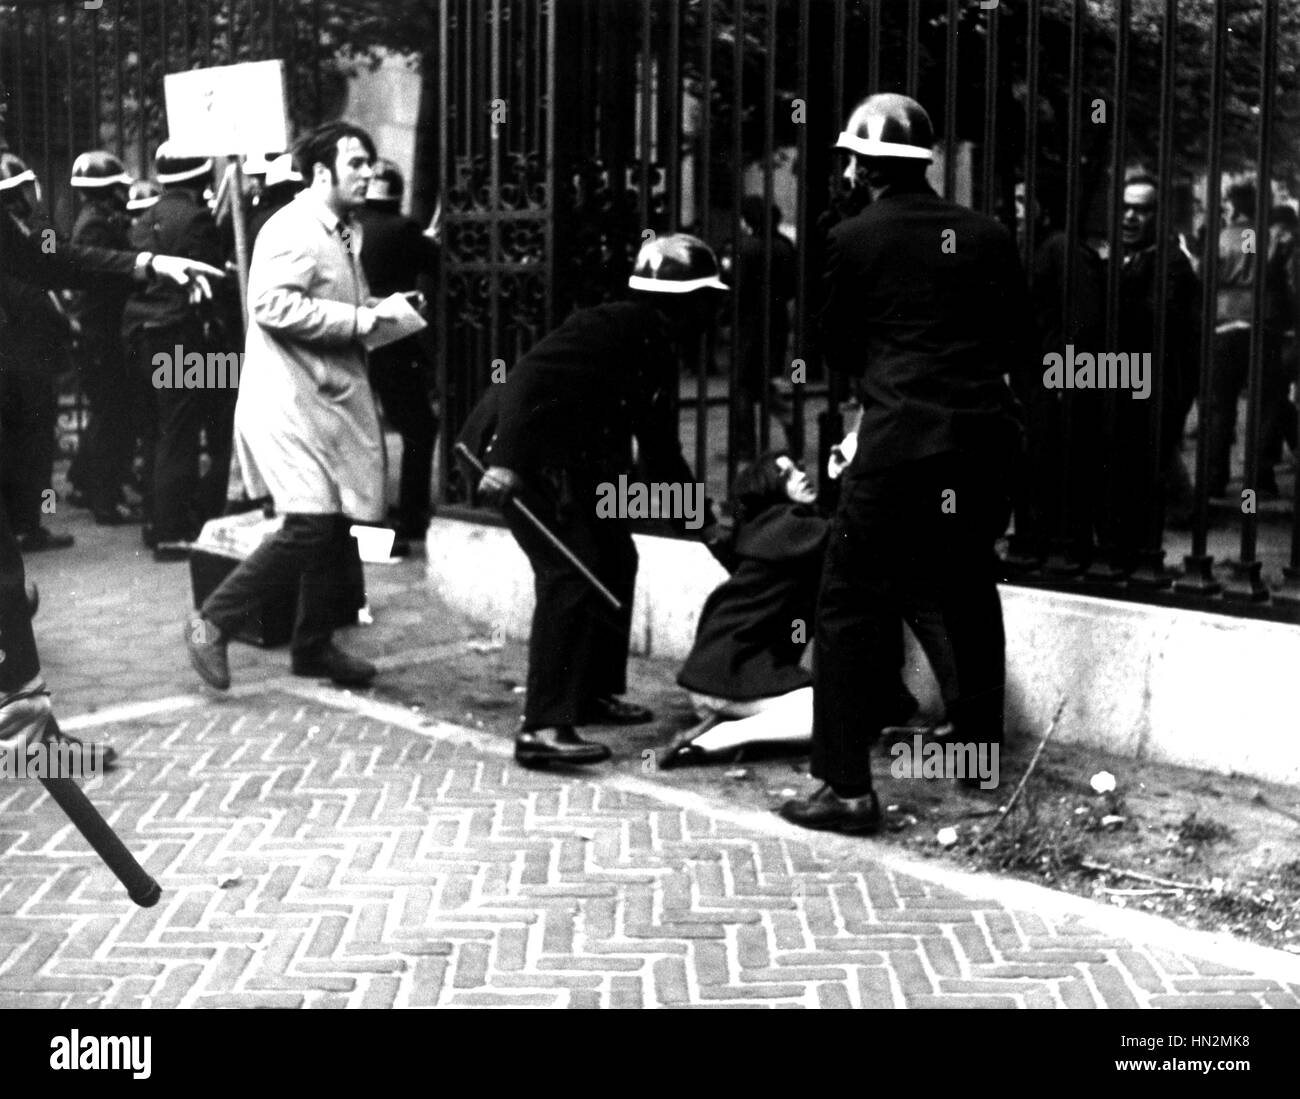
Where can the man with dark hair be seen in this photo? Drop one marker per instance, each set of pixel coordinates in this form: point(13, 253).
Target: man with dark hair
point(161, 324)
point(926, 303)
point(306, 427)
point(568, 413)
point(397, 254)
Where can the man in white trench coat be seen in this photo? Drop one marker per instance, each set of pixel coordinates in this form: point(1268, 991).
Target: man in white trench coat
point(306, 428)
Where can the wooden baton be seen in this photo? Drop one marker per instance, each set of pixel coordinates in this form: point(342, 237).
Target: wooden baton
point(542, 529)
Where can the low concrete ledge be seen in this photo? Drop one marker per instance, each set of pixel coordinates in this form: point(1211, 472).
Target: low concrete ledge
point(1177, 686)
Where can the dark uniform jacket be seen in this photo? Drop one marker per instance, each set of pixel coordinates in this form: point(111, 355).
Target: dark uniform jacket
point(926, 303)
point(579, 396)
point(100, 310)
point(71, 266)
point(1137, 322)
point(745, 644)
point(178, 224)
point(395, 252)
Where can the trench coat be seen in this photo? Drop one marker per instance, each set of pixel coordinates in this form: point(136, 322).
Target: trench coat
point(306, 426)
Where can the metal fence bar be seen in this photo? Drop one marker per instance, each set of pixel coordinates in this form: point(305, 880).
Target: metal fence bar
point(1248, 568)
point(1198, 566)
point(704, 171)
point(1150, 570)
point(989, 150)
point(736, 404)
point(766, 315)
point(950, 104)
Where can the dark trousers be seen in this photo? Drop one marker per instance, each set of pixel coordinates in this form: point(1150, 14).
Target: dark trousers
point(115, 396)
point(896, 556)
point(1230, 370)
point(577, 651)
point(179, 498)
point(20, 661)
point(313, 558)
point(27, 416)
point(399, 377)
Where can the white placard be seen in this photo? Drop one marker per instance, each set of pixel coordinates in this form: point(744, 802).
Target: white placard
point(227, 110)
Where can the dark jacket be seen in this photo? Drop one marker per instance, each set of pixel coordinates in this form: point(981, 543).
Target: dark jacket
point(580, 395)
point(926, 303)
point(178, 224)
point(1137, 320)
point(394, 251)
point(71, 266)
point(100, 309)
point(746, 645)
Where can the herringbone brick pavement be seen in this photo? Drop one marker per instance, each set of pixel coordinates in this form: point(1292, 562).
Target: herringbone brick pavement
point(321, 849)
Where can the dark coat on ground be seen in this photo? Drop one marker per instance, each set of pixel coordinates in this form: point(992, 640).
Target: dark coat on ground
point(926, 304)
point(746, 644)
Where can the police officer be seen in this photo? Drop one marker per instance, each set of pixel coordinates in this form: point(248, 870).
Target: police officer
point(157, 321)
point(107, 452)
point(567, 415)
point(24, 699)
point(926, 304)
point(33, 350)
point(396, 254)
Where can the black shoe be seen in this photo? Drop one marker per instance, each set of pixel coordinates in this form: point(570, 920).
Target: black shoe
point(537, 748)
point(827, 811)
point(171, 551)
point(614, 711)
point(104, 754)
point(681, 755)
point(40, 539)
point(331, 662)
point(207, 648)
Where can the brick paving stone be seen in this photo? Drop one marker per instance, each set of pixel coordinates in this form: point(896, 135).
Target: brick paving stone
point(381, 867)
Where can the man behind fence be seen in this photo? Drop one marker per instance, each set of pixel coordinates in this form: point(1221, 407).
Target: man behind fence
point(306, 426)
point(926, 302)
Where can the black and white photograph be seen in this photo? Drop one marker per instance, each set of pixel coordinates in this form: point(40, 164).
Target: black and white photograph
point(650, 504)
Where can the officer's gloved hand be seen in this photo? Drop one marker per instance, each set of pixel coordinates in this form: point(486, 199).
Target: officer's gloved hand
point(498, 485)
point(24, 716)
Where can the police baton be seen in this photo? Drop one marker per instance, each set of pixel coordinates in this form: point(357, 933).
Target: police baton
point(140, 887)
point(541, 528)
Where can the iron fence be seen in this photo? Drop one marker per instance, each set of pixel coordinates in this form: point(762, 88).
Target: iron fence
point(613, 120)
point(565, 131)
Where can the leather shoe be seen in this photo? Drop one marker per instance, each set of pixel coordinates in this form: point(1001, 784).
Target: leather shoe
point(207, 648)
point(614, 711)
point(171, 551)
point(827, 811)
point(333, 663)
point(536, 748)
point(116, 515)
point(104, 754)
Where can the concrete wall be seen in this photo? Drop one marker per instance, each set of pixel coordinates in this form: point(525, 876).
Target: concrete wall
point(1183, 687)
